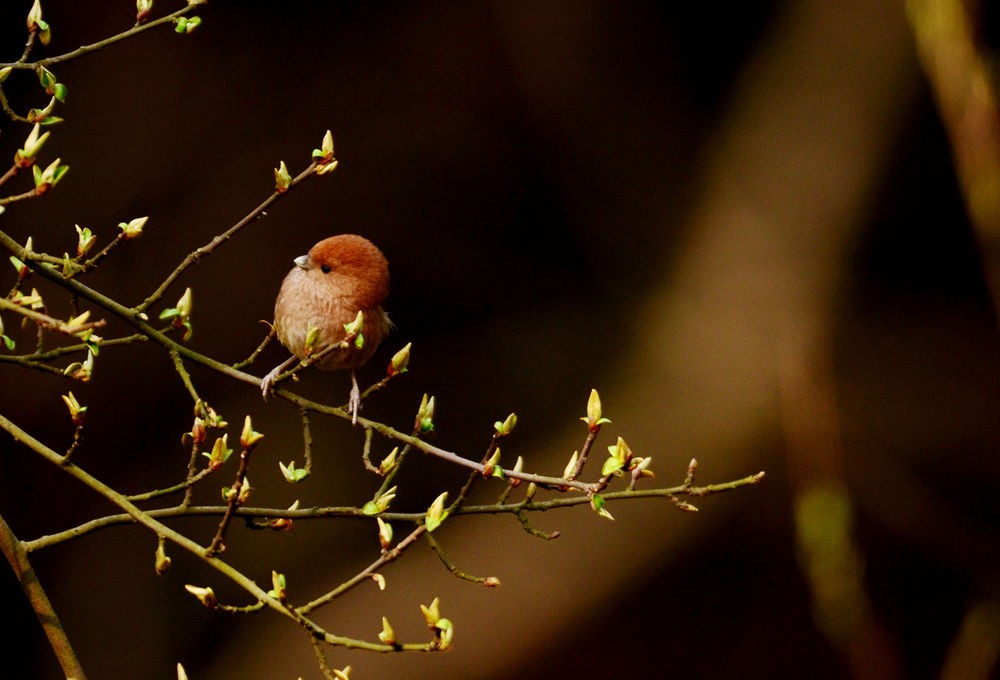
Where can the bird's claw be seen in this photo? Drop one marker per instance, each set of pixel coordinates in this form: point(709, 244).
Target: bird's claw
point(268, 380)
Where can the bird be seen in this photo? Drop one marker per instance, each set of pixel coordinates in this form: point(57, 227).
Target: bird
point(339, 277)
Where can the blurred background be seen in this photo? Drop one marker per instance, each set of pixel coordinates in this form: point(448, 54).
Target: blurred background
point(765, 232)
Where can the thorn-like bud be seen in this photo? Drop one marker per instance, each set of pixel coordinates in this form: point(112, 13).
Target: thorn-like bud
point(142, 10)
point(518, 466)
point(82, 372)
point(384, 533)
point(185, 303)
point(327, 167)
point(507, 426)
point(52, 87)
point(342, 674)
point(292, 474)
point(85, 240)
point(354, 328)
point(49, 177)
point(20, 267)
point(219, 454)
point(37, 25)
point(281, 523)
point(491, 582)
point(244, 494)
point(180, 316)
point(133, 229)
point(77, 322)
point(400, 361)
point(380, 503)
point(25, 156)
point(210, 415)
point(445, 632)
point(162, 561)
point(249, 438)
point(76, 412)
point(198, 432)
point(389, 463)
point(432, 612)
point(597, 503)
point(312, 337)
point(436, 513)
point(282, 178)
point(492, 466)
point(323, 156)
point(571, 465)
point(425, 415)
point(621, 456)
point(640, 468)
point(388, 635)
point(204, 595)
point(594, 417)
point(279, 587)
point(34, 300)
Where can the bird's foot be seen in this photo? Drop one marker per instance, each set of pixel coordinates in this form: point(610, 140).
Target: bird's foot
point(268, 380)
point(265, 383)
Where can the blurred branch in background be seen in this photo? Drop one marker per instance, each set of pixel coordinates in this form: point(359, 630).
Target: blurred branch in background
point(963, 77)
point(825, 515)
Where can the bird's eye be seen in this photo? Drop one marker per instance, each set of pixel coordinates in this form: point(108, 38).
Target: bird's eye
point(325, 268)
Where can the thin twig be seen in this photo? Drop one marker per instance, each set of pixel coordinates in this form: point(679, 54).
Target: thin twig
point(307, 440)
point(366, 573)
point(195, 255)
point(48, 322)
point(24, 64)
point(584, 451)
point(260, 348)
point(218, 543)
point(185, 376)
point(490, 581)
point(519, 510)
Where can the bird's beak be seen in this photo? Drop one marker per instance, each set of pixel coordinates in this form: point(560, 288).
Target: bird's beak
point(302, 262)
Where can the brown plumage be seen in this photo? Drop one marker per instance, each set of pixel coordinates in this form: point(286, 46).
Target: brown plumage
point(340, 276)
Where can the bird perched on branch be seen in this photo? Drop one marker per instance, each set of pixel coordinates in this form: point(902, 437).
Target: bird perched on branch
point(316, 314)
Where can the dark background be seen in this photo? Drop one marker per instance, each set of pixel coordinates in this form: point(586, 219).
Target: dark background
point(671, 204)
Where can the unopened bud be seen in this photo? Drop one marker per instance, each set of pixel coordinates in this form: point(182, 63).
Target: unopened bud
point(85, 240)
point(162, 562)
point(279, 588)
point(594, 417)
point(384, 533)
point(204, 595)
point(400, 361)
point(388, 635)
point(436, 513)
point(133, 229)
point(142, 10)
point(76, 412)
point(282, 178)
point(249, 438)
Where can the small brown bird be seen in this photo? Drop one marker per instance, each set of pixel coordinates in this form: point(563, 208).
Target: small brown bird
point(326, 289)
